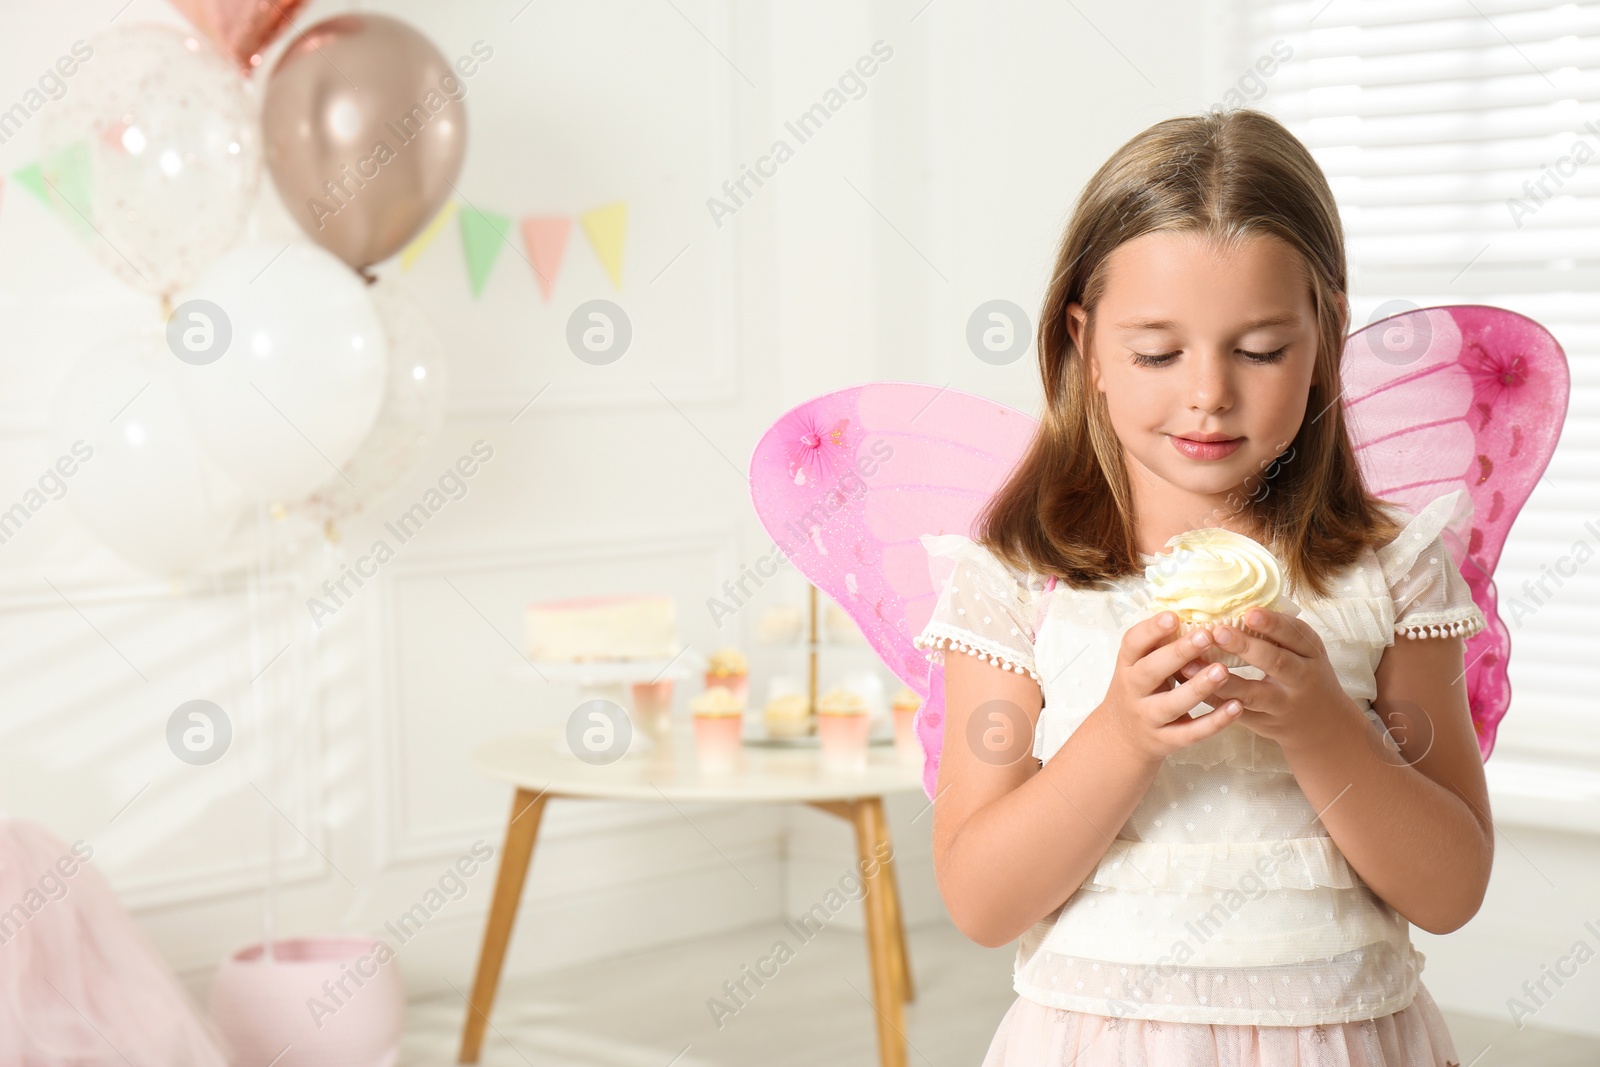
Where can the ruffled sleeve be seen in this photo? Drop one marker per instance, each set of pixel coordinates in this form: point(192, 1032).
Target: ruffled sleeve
point(1431, 598)
point(985, 607)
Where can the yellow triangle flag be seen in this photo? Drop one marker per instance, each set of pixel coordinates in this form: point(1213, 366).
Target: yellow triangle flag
point(606, 227)
point(420, 243)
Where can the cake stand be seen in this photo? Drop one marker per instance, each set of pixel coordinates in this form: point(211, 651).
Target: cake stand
point(611, 681)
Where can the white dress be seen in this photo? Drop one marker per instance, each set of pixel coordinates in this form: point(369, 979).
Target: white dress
point(1222, 899)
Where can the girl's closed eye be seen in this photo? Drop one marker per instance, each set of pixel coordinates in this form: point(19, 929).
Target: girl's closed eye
point(1161, 359)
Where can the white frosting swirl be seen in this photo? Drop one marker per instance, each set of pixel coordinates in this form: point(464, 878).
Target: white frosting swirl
point(1213, 574)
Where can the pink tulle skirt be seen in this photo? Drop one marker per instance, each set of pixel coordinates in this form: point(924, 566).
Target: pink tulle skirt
point(80, 984)
point(1033, 1035)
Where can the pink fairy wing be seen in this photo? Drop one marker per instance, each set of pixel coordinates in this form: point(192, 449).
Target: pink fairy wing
point(847, 482)
point(1463, 396)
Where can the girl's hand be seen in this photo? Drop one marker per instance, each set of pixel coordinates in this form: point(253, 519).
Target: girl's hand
point(1150, 715)
point(1300, 699)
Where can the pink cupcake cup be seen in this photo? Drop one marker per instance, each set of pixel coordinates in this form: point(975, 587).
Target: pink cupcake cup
point(844, 739)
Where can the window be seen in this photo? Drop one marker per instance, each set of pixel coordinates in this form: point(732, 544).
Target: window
point(1462, 142)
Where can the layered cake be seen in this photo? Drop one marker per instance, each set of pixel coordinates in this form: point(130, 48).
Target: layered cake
point(603, 628)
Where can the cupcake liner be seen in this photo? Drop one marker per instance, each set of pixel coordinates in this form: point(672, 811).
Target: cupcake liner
point(1212, 653)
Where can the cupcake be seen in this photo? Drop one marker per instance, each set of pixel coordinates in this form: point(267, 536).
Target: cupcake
point(717, 701)
point(905, 705)
point(781, 624)
point(718, 726)
point(1214, 576)
point(727, 667)
point(788, 715)
point(843, 721)
point(842, 701)
point(841, 628)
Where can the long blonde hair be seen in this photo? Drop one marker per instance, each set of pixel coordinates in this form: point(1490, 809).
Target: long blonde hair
point(1067, 509)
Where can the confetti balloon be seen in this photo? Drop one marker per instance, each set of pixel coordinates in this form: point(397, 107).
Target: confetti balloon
point(153, 156)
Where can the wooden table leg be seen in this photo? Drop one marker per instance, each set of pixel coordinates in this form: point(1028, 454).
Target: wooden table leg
point(523, 827)
point(898, 924)
point(871, 833)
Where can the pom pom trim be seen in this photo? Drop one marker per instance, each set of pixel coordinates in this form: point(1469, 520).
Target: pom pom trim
point(940, 641)
point(1467, 627)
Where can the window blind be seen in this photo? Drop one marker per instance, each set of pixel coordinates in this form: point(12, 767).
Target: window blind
point(1462, 142)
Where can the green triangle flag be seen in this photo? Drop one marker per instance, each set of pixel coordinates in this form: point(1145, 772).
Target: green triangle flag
point(482, 235)
point(32, 179)
point(62, 183)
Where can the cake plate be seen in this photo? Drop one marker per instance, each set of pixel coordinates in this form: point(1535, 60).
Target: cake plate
point(611, 680)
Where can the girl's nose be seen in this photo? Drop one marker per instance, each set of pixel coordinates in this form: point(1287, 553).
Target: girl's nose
point(1211, 386)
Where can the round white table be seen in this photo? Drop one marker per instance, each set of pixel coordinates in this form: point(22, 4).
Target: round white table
point(538, 772)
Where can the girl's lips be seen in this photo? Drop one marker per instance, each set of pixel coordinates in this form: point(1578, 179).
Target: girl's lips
point(1205, 449)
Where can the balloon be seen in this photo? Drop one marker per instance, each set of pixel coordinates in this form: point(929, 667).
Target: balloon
point(147, 489)
point(282, 362)
point(241, 28)
point(365, 130)
point(153, 155)
point(412, 411)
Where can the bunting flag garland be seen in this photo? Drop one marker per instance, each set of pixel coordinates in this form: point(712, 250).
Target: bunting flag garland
point(32, 179)
point(606, 227)
point(419, 243)
point(65, 177)
point(545, 237)
point(68, 175)
point(482, 236)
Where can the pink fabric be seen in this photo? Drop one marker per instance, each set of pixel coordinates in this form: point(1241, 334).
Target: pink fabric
point(1033, 1035)
point(80, 984)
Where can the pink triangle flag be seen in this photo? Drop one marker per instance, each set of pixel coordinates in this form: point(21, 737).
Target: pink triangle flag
point(546, 239)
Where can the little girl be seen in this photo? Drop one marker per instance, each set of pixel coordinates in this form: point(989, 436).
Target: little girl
point(1205, 866)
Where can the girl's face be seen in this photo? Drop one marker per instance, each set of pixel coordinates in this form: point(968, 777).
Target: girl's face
point(1191, 343)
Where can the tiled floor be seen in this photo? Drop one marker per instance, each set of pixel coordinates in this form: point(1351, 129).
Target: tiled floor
point(651, 1010)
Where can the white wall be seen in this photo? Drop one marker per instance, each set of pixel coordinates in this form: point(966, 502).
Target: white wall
point(946, 185)
point(601, 486)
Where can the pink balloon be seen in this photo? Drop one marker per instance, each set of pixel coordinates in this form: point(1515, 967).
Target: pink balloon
point(241, 28)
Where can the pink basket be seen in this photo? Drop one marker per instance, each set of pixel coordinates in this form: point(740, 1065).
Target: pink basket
point(335, 1001)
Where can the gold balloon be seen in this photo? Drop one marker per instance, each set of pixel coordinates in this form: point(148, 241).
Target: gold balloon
point(365, 131)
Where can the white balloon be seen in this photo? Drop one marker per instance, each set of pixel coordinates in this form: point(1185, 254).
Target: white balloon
point(153, 154)
point(147, 489)
point(412, 412)
point(281, 365)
